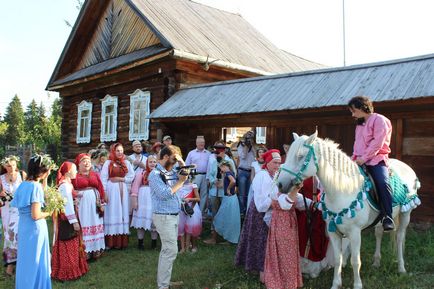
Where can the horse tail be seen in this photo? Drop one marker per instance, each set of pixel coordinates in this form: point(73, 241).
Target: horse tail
point(417, 184)
point(393, 235)
point(393, 241)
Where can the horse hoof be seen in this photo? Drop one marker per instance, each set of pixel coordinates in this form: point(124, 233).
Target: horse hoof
point(376, 264)
point(402, 271)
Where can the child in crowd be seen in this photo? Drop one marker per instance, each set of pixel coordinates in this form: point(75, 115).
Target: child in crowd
point(142, 204)
point(189, 227)
point(227, 221)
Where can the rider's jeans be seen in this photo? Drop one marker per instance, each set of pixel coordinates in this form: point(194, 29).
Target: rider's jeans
point(380, 174)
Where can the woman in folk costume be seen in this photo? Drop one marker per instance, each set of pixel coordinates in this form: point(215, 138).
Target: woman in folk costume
point(282, 257)
point(142, 204)
point(90, 199)
point(189, 227)
point(10, 179)
point(116, 173)
point(68, 259)
point(253, 241)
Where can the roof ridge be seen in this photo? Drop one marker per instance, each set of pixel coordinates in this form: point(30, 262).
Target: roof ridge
point(316, 71)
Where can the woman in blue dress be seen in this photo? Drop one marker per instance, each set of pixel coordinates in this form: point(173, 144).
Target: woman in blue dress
point(33, 262)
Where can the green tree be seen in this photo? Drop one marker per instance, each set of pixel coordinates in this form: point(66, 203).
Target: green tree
point(14, 118)
point(35, 125)
point(52, 133)
point(56, 110)
point(3, 129)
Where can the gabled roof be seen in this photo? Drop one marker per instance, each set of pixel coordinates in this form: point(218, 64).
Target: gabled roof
point(107, 30)
point(202, 30)
point(396, 80)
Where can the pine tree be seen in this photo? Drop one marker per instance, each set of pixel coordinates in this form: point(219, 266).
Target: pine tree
point(35, 122)
point(14, 118)
point(31, 117)
point(52, 130)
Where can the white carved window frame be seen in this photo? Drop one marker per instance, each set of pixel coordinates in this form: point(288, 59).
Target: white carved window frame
point(112, 116)
point(261, 135)
point(84, 122)
point(143, 98)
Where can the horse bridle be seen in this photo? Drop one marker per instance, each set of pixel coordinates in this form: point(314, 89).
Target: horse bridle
point(298, 175)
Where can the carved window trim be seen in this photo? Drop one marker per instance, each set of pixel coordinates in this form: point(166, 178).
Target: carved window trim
point(85, 121)
point(111, 116)
point(144, 97)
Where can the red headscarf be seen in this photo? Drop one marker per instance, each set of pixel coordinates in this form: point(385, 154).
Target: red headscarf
point(79, 157)
point(270, 155)
point(115, 160)
point(64, 168)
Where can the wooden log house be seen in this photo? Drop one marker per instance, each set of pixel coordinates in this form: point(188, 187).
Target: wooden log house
point(126, 59)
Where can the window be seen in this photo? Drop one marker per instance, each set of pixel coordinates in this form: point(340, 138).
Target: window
point(231, 134)
point(109, 118)
point(139, 110)
point(84, 121)
point(261, 135)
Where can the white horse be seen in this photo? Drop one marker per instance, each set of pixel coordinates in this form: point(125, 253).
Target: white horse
point(344, 203)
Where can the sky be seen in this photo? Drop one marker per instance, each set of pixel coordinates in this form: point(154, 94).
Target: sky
point(33, 34)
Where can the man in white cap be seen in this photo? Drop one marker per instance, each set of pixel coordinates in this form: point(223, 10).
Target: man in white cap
point(167, 141)
point(137, 159)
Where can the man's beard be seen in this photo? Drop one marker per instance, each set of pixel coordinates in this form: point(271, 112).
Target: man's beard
point(169, 164)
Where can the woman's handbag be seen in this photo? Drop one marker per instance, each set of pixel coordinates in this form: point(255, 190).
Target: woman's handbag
point(187, 209)
point(66, 230)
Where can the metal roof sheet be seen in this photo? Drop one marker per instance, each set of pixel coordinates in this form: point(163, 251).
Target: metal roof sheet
point(384, 81)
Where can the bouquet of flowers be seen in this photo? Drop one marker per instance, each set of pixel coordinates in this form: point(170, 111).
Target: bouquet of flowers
point(54, 201)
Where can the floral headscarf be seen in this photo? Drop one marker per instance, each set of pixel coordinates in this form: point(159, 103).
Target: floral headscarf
point(115, 160)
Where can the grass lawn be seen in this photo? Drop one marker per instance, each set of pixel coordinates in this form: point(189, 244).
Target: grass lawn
point(212, 267)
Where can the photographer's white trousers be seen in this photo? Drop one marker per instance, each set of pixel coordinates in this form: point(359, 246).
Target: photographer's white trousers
point(167, 228)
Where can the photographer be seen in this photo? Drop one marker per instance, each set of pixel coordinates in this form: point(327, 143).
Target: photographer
point(164, 183)
point(246, 155)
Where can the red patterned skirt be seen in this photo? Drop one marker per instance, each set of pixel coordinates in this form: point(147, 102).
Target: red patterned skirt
point(282, 259)
point(68, 259)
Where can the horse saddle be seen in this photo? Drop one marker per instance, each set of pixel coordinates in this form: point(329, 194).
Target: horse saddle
point(399, 190)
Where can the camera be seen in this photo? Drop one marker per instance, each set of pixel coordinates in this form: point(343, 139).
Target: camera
point(187, 170)
point(4, 199)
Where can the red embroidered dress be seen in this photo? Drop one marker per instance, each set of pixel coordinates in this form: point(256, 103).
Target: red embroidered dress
point(68, 259)
point(89, 189)
point(116, 216)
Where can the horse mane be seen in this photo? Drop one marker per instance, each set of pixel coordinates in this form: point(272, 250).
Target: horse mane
point(337, 169)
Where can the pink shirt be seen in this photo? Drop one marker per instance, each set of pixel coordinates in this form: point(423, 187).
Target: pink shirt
point(373, 140)
point(137, 183)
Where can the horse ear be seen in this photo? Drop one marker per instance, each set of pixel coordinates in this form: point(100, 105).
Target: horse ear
point(311, 138)
point(295, 135)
